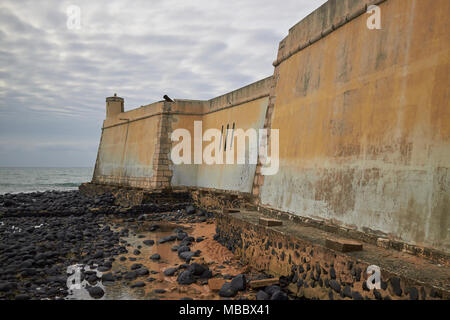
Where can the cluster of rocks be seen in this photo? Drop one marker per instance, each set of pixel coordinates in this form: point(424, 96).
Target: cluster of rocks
point(62, 203)
point(36, 251)
point(187, 214)
point(43, 233)
point(192, 273)
point(186, 273)
point(189, 273)
point(138, 274)
point(136, 271)
point(66, 203)
point(273, 292)
point(240, 283)
point(230, 289)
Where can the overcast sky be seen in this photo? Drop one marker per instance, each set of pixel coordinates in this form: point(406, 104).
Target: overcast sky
point(54, 80)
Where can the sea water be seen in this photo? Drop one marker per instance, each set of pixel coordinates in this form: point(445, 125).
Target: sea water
point(16, 180)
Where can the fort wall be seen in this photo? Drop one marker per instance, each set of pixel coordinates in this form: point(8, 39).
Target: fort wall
point(363, 119)
point(136, 145)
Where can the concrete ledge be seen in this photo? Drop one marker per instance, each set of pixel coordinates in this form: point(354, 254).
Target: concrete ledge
point(299, 253)
point(368, 236)
point(250, 92)
point(136, 196)
point(342, 245)
point(270, 222)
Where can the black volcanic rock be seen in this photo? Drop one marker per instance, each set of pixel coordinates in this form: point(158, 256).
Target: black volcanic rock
point(185, 277)
point(239, 282)
point(227, 290)
point(95, 292)
point(170, 272)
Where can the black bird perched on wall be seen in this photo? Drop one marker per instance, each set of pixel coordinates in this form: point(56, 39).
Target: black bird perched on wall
point(166, 97)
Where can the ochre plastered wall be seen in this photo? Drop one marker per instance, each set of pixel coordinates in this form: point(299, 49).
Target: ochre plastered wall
point(364, 122)
point(237, 177)
point(135, 147)
point(188, 112)
point(128, 147)
point(246, 108)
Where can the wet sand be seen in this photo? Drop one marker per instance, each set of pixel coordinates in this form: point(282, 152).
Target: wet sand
point(217, 258)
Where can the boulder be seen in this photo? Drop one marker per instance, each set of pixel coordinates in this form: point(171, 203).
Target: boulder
point(227, 290)
point(186, 277)
point(239, 282)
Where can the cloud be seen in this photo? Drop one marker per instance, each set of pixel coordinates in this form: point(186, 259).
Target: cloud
point(53, 81)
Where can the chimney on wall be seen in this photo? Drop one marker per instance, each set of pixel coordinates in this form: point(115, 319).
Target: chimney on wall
point(114, 106)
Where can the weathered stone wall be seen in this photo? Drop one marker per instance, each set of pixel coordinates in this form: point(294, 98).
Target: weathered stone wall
point(364, 121)
point(221, 176)
point(244, 108)
point(314, 271)
point(363, 117)
point(135, 146)
point(131, 152)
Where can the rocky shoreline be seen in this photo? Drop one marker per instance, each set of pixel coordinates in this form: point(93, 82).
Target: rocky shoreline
point(42, 234)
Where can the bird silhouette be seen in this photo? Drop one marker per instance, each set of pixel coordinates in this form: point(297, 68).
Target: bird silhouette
point(166, 97)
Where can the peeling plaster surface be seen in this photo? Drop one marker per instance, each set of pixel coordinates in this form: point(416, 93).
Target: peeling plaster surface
point(222, 176)
point(364, 126)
